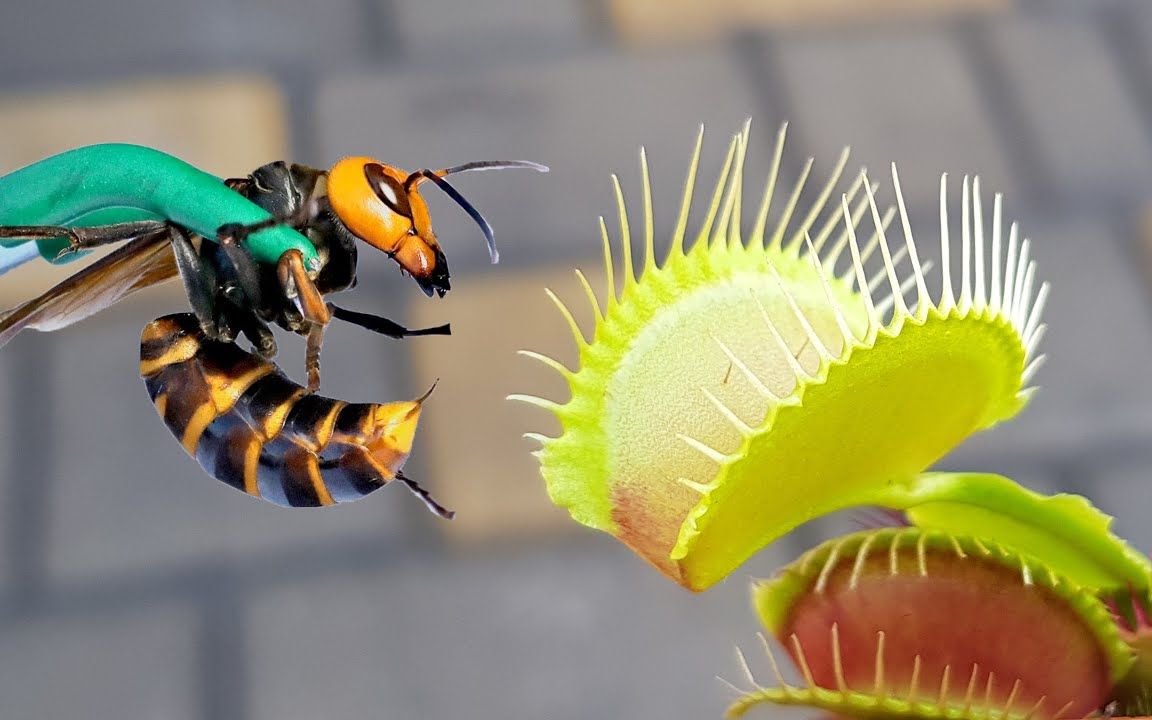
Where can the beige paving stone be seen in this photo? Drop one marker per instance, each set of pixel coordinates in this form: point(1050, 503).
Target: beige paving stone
point(666, 21)
point(226, 124)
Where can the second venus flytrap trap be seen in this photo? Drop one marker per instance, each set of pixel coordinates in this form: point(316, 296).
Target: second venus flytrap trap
point(764, 374)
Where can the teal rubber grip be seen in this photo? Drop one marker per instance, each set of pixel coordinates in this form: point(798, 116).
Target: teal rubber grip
point(114, 183)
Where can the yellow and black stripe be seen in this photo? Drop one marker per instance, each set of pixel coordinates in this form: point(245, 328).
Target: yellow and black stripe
point(251, 427)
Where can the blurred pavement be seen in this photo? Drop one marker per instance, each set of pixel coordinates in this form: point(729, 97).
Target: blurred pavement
point(132, 586)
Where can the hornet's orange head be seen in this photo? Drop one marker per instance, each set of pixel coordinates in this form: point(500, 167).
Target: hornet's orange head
point(381, 205)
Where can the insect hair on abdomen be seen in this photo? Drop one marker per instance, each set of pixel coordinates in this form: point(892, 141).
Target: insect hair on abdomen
point(253, 428)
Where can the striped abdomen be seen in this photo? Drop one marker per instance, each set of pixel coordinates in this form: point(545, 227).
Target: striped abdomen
point(251, 427)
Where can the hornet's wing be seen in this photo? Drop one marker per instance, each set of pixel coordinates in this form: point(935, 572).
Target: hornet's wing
point(139, 264)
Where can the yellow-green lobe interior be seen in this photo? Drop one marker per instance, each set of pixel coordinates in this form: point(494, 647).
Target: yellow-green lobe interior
point(878, 417)
point(656, 395)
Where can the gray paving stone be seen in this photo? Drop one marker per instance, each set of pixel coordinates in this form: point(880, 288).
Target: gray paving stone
point(1083, 117)
point(899, 94)
point(443, 30)
point(586, 117)
point(138, 665)
point(585, 630)
point(125, 497)
point(58, 38)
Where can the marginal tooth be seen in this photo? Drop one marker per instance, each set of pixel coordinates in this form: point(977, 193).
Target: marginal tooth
point(1020, 314)
point(826, 571)
point(966, 249)
point(832, 222)
point(1064, 710)
point(1030, 371)
point(894, 555)
point(980, 300)
point(995, 299)
point(837, 661)
point(744, 667)
point(718, 193)
point(922, 298)
point(536, 402)
point(1018, 287)
point(769, 189)
point(550, 362)
point(577, 334)
point(1025, 572)
point(734, 227)
point(780, 682)
point(970, 692)
point(842, 239)
point(897, 296)
point(1035, 708)
point(782, 226)
point(822, 199)
point(861, 279)
point(802, 661)
point(609, 271)
point(914, 684)
point(947, 298)
point(745, 370)
point(677, 245)
point(874, 238)
point(926, 268)
point(542, 439)
point(1037, 310)
point(735, 420)
point(945, 678)
point(989, 683)
point(858, 566)
point(888, 301)
point(1006, 305)
point(841, 322)
point(879, 687)
point(1033, 340)
point(731, 203)
point(789, 354)
point(625, 235)
point(649, 231)
point(813, 338)
point(705, 450)
point(881, 275)
point(590, 294)
point(731, 686)
point(922, 555)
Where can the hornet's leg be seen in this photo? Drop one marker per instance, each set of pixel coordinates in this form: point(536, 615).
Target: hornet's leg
point(426, 497)
point(303, 216)
point(246, 291)
point(300, 288)
point(260, 335)
point(383, 325)
point(294, 279)
point(312, 356)
point(242, 291)
point(199, 282)
point(83, 238)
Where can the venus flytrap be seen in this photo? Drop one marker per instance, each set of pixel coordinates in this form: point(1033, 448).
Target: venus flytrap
point(742, 387)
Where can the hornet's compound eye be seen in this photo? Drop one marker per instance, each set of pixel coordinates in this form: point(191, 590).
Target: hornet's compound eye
point(390, 190)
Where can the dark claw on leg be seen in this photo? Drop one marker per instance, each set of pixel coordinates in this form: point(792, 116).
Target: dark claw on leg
point(383, 325)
